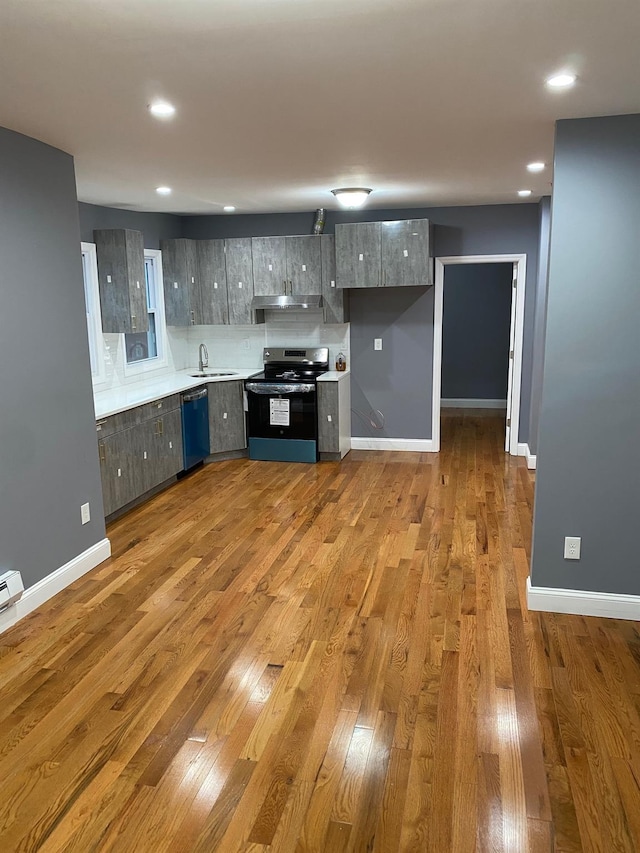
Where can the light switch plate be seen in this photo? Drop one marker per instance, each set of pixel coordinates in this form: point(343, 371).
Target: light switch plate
point(377, 343)
point(85, 513)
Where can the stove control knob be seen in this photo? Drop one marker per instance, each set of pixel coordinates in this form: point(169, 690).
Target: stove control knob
point(267, 353)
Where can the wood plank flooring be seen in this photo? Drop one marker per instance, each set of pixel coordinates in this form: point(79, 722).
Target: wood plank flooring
point(337, 657)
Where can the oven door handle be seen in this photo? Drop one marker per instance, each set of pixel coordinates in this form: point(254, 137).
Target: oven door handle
point(280, 387)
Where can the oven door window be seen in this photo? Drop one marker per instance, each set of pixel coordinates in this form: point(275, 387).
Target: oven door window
point(282, 415)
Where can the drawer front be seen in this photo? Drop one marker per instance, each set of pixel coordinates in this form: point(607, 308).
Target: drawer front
point(138, 415)
point(158, 408)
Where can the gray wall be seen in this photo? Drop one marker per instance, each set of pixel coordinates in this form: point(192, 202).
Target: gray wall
point(475, 331)
point(154, 226)
point(588, 461)
point(477, 230)
point(539, 324)
point(393, 380)
point(48, 452)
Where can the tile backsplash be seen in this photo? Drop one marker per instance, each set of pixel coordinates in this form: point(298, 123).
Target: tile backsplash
point(229, 346)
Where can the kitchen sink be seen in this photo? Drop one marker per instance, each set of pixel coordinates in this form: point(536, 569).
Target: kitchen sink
point(207, 373)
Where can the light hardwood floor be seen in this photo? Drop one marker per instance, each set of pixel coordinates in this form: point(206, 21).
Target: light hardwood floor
point(336, 657)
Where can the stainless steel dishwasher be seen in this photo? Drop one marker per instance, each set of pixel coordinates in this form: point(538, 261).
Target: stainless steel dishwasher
point(195, 426)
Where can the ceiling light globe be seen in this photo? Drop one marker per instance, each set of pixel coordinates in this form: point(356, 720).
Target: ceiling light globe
point(561, 81)
point(162, 109)
point(351, 198)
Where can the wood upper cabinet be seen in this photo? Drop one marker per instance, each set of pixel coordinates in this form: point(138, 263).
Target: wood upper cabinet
point(405, 248)
point(334, 299)
point(182, 294)
point(304, 264)
point(269, 265)
point(383, 254)
point(212, 273)
point(358, 258)
point(284, 265)
point(123, 292)
point(239, 280)
point(226, 416)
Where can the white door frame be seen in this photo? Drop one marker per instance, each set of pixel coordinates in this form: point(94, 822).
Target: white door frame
point(516, 335)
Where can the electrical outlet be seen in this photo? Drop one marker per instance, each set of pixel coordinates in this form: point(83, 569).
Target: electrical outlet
point(572, 547)
point(377, 343)
point(85, 513)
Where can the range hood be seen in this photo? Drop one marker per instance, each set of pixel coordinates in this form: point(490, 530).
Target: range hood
point(289, 302)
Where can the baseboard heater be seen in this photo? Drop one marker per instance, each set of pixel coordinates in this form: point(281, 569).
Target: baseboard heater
point(11, 589)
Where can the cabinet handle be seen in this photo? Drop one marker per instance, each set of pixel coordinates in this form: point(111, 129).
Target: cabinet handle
point(133, 322)
point(102, 450)
point(193, 318)
point(161, 426)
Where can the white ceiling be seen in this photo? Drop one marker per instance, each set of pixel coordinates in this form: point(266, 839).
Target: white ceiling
point(430, 102)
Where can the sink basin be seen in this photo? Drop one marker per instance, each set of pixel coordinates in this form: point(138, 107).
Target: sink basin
point(212, 373)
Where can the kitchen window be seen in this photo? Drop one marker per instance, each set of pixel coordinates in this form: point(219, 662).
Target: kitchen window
point(92, 308)
point(146, 351)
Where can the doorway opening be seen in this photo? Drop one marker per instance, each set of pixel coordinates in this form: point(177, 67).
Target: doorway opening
point(517, 265)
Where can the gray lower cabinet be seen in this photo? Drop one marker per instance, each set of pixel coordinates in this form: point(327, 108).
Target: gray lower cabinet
point(163, 440)
point(139, 457)
point(226, 416)
point(335, 299)
point(212, 272)
point(383, 254)
point(239, 280)
point(123, 292)
point(182, 294)
point(334, 418)
point(117, 454)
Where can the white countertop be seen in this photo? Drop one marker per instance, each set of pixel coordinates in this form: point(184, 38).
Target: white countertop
point(333, 375)
point(125, 397)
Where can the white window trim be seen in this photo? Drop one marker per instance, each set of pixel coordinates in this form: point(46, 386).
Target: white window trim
point(89, 249)
point(139, 368)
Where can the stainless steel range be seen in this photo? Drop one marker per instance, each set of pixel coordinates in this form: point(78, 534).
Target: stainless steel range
point(282, 402)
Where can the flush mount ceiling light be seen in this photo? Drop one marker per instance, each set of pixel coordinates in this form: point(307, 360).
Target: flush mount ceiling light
point(536, 167)
point(351, 197)
point(162, 109)
point(163, 190)
point(524, 193)
point(561, 81)
point(228, 208)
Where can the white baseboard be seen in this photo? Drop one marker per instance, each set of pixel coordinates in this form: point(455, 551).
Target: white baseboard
point(418, 445)
point(49, 586)
point(582, 603)
point(532, 459)
point(471, 403)
point(525, 450)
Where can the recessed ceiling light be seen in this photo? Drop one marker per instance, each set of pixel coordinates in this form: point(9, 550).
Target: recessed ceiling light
point(163, 190)
point(536, 167)
point(351, 197)
point(524, 193)
point(228, 208)
point(162, 109)
point(561, 81)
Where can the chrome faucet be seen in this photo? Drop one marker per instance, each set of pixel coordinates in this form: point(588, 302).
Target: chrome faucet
point(203, 357)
